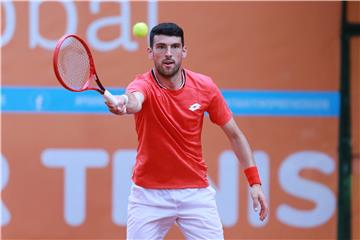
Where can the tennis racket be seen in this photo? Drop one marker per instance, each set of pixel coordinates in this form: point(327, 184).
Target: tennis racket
point(75, 69)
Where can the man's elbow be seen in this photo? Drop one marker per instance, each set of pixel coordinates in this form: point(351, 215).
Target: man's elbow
point(132, 110)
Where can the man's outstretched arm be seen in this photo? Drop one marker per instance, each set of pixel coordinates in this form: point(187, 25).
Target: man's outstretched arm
point(128, 103)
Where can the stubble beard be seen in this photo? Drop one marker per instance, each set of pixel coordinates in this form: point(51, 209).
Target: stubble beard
point(168, 74)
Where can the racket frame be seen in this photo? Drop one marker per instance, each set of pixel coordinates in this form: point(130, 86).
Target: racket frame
point(92, 73)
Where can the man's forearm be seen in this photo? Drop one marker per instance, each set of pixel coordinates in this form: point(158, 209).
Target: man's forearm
point(133, 104)
point(242, 151)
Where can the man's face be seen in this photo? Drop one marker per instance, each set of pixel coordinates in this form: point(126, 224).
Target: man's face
point(167, 53)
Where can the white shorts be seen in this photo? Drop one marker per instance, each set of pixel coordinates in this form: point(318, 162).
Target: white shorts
point(152, 212)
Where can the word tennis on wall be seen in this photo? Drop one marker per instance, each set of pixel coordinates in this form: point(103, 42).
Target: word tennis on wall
point(74, 164)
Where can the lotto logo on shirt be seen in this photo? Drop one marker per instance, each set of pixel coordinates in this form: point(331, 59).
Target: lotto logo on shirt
point(194, 107)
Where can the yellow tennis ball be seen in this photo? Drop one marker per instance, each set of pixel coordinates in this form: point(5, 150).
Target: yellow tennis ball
point(140, 29)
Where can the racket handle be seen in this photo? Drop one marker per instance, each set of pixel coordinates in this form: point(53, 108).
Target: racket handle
point(109, 97)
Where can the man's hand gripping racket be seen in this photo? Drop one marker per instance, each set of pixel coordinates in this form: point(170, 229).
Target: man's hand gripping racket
point(75, 69)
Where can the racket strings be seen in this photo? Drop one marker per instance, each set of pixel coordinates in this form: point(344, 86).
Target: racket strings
point(74, 64)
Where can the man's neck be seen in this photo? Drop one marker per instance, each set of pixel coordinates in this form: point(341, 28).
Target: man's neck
point(173, 83)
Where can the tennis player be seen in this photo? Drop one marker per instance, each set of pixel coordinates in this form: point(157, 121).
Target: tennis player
point(170, 176)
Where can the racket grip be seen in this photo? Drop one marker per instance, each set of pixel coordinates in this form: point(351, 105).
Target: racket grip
point(109, 97)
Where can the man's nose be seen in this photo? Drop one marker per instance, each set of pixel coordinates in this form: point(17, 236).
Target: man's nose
point(168, 51)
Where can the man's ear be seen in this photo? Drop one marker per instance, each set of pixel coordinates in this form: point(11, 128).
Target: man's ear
point(150, 53)
point(184, 52)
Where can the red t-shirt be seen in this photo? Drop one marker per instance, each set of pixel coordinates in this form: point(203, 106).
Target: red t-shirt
point(169, 130)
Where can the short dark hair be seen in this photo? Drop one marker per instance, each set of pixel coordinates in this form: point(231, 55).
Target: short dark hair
point(167, 29)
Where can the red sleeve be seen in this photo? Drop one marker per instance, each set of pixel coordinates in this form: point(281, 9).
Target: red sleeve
point(138, 85)
point(218, 109)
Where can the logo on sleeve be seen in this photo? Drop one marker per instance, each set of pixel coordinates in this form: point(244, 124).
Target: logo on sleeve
point(194, 107)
